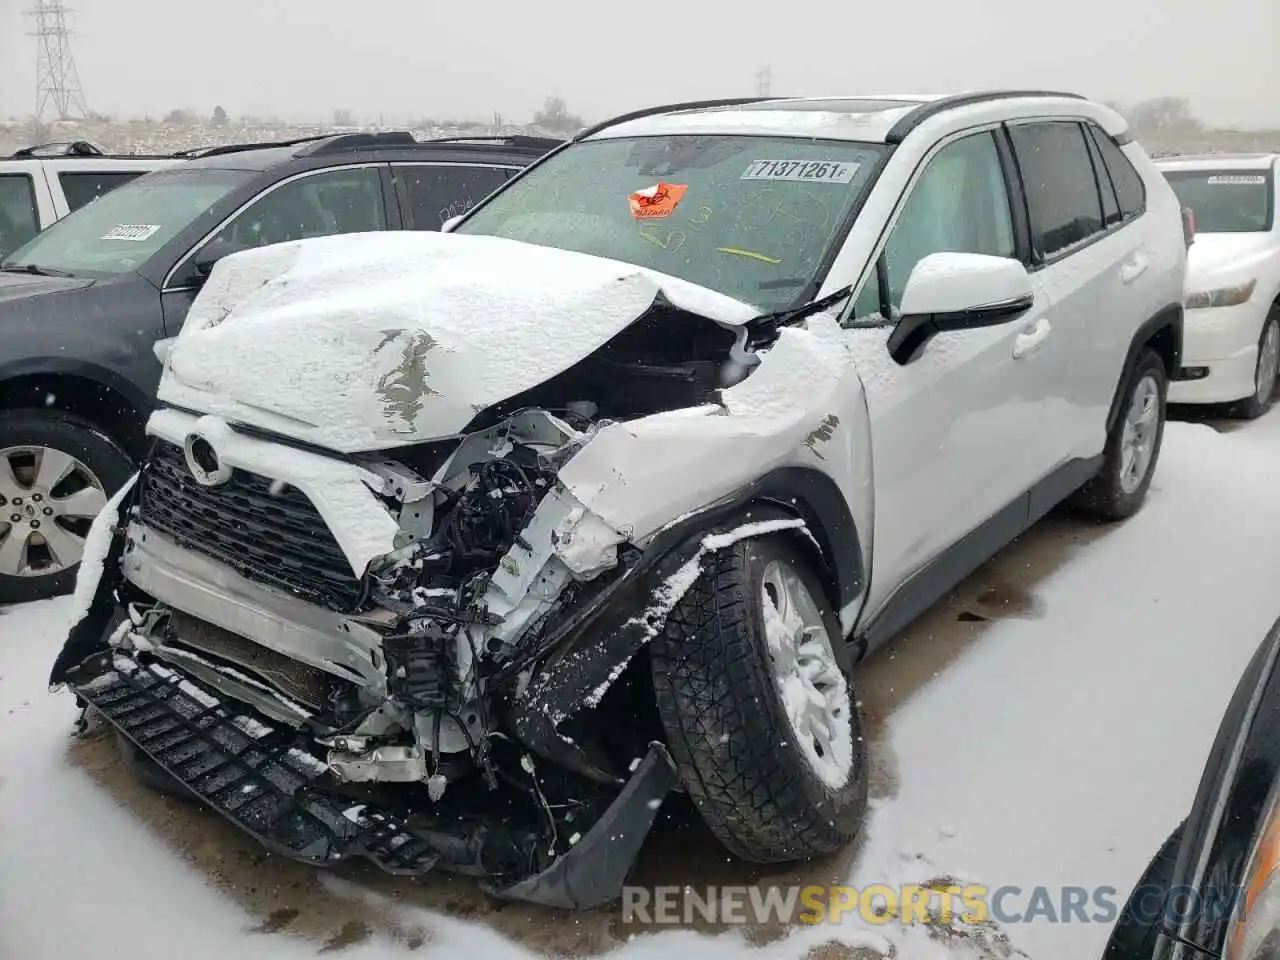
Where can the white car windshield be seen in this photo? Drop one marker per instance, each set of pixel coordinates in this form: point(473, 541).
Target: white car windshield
point(118, 232)
point(755, 218)
point(1226, 201)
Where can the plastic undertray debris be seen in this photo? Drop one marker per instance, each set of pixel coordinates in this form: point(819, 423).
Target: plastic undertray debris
point(247, 769)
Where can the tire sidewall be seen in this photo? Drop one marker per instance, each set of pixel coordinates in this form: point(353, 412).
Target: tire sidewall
point(1148, 364)
point(844, 805)
point(79, 438)
point(1252, 407)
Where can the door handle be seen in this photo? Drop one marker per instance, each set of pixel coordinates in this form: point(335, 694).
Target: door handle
point(1031, 338)
point(1134, 268)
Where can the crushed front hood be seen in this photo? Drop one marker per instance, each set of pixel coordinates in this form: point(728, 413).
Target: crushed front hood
point(370, 341)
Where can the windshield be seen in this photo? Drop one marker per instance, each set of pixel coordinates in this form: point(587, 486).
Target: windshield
point(1226, 201)
point(120, 230)
point(750, 217)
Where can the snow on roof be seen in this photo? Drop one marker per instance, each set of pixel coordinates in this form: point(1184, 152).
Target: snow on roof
point(864, 119)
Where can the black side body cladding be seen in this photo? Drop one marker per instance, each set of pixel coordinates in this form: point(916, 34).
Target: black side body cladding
point(899, 131)
point(1149, 334)
point(589, 650)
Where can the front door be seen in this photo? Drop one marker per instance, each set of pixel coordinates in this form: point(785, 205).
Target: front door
point(320, 204)
point(957, 432)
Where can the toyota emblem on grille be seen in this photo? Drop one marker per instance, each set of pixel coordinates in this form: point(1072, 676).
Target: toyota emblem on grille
point(204, 463)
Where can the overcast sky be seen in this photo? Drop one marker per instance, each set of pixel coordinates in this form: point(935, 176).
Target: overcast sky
point(412, 58)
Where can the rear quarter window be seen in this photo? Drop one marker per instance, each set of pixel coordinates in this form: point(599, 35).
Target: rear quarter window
point(1131, 192)
point(18, 219)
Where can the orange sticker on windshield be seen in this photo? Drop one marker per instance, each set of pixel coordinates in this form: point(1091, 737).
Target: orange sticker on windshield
point(656, 202)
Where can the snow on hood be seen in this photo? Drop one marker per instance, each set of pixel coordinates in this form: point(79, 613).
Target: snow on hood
point(370, 341)
point(1230, 257)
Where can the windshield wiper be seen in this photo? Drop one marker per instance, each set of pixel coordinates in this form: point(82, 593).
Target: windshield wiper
point(35, 271)
point(767, 325)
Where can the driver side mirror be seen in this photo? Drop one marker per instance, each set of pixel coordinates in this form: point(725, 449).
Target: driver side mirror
point(958, 291)
point(210, 254)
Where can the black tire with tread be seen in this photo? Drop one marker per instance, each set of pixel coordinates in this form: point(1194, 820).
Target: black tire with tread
point(1134, 938)
point(149, 773)
point(725, 723)
point(1103, 497)
point(84, 441)
point(1251, 408)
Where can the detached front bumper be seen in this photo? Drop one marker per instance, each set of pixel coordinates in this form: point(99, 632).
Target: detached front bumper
point(1219, 354)
point(255, 773)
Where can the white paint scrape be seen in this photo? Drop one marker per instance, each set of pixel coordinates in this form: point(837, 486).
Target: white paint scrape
point(96, 547)
point(672, 590)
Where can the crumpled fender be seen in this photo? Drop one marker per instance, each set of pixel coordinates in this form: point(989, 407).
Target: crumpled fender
point(597, 645)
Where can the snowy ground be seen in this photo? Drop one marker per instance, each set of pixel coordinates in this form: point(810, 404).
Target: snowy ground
point(1054, 739)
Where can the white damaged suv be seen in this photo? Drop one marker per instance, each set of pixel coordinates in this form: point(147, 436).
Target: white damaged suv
point(463, 550)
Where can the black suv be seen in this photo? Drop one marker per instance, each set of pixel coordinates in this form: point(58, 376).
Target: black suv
point(83, 303)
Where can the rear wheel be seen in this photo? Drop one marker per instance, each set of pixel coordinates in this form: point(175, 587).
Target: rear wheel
point(750, 675)
point(56, 473)
point(1133, 445)
point(1264, 378)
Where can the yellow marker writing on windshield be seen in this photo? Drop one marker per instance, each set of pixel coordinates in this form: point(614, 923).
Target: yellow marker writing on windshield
point(747, 253)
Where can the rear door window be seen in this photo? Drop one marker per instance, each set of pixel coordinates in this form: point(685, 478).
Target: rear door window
point(82, 188)
point(18, 219)
point(431, 193)
point(1062, 194)
point(320, 204)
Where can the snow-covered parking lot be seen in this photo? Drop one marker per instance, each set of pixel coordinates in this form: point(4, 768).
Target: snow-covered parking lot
point(1045, 726)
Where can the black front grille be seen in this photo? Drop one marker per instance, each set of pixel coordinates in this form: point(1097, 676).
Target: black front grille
point(273, 536)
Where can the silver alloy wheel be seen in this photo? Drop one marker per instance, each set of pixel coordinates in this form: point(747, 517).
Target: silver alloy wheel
point(1138, 442)
point(1268, 362)
point(814, 693)
point(48, 499)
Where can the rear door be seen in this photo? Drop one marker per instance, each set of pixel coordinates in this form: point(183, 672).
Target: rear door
point(1086, 255)
point(431, 193)
point(19, 211)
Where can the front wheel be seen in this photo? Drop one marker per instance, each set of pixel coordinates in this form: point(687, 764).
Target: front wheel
point(1133, 445)
point(750, 675)
point(56, 473)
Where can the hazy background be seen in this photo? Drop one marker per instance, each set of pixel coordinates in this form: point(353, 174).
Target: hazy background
point(304, 59)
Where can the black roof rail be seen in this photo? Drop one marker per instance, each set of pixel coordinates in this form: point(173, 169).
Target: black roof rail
point(898, 132)
point(670, 108)
point(70, 148)
point(521, 141)
point(342, 142)
point(194, 153)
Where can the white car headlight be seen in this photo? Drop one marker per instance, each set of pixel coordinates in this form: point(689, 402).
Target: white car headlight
point(1256, 932)
point(1221, 297)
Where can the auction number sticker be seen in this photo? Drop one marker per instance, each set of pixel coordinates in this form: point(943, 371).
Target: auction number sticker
point(1251, 178)
point(801, 171)
point(136, 232)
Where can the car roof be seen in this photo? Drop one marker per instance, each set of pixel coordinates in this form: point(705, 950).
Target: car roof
point(883, 118)
point(391, 145)
point(1218, 161)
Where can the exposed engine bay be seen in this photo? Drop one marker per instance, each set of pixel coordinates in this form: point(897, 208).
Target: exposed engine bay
point(466, 700)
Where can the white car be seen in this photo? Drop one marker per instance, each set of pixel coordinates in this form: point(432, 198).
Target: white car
point(461, 550)
point(1232, 348)
point(42, 184)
